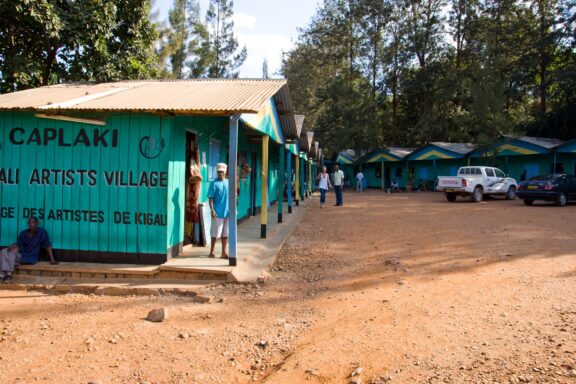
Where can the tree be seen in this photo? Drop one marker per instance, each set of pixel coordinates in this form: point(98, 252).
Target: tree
point(225, 59)
point(368, 73)
point(45, 42)
point(265, 69)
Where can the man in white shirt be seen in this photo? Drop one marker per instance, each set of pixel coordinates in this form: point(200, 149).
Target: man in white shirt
point(359, 181)
point(338, 184)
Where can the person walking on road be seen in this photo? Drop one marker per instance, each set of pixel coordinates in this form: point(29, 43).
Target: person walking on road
point(218, 195)
point(323, 185)
point(338, 185)
point(359, 181)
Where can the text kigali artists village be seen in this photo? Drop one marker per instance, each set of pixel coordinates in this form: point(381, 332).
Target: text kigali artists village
point(73, 177)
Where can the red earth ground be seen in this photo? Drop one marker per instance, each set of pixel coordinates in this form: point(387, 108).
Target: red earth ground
point(403, 288)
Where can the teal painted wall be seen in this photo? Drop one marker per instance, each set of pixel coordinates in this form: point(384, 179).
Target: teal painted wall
point(76, 179)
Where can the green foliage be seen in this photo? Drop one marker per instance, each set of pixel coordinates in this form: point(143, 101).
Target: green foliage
point(369, 73)
point(45, 42)
point(199, 49)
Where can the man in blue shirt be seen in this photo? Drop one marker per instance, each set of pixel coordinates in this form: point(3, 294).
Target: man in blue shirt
point(30, 242)
point(218, 195)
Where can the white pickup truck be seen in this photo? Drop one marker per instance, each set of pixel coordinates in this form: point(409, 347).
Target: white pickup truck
point(476, 182)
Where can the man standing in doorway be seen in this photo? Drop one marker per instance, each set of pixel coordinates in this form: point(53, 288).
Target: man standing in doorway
point(218, 195)
point(359, 181)
point(338, 184)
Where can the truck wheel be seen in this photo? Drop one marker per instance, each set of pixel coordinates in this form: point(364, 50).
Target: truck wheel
point(528, 202)
point(561, 200)
point(477, 195)
point(511, 194)
point(451, 197)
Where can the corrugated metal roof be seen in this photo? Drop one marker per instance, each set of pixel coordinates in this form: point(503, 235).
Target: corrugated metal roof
point(299, 124)
point(310, 137)
point(194, 96)
point(197, 95)
point(400, 152)
point(461, 148)
point(540, 141)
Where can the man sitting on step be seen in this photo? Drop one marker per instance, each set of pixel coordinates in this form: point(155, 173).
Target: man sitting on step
point(9, 258)
point(31, 241)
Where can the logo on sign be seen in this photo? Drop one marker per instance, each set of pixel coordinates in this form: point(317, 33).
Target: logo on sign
point(151, 147)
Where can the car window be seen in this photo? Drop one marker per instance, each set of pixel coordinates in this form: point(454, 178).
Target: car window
point(462, 171)
point(477, 171)
point(542, 178)
point(499, 173)
point(489, 172)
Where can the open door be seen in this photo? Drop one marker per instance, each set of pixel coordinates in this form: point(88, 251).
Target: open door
point(193, 180)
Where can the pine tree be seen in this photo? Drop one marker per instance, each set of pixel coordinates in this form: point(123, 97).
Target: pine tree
point(265, 69)
point(225, 59)
point(179, 41)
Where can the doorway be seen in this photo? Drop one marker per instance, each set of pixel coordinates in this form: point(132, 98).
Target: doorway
point(193, 183)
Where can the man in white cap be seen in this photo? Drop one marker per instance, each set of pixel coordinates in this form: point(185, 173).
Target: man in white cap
point(218, 195)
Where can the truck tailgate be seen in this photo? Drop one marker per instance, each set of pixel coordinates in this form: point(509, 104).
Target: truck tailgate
point(449, 182)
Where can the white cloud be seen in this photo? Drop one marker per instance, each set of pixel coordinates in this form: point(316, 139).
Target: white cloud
point(244, 20)
point(260, 46)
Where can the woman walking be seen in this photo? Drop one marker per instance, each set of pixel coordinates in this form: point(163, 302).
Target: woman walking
point(323, 186)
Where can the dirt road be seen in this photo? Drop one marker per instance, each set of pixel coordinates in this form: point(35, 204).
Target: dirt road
point(403, 288)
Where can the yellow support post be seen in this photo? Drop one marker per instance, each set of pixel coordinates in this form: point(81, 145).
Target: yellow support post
point(309, 177)
point(297, 186)
point(264, 204)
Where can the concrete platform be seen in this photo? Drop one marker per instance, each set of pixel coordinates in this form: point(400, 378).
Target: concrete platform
point(191, 269)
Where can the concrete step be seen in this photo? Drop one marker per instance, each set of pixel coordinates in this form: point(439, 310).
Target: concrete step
point(122, 271)
point(112, 287)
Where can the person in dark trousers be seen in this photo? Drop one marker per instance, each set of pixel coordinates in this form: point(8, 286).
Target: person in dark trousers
point(338, 185)
point(323, 185)
point(31, 241)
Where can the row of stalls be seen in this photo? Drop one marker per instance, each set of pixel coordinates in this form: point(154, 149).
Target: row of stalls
point(119, 172)
point(417, 168)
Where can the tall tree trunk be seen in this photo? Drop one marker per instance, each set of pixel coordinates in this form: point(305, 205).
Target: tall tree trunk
point(48, 64)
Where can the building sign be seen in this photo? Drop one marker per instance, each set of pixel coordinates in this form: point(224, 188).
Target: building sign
point(95, 188)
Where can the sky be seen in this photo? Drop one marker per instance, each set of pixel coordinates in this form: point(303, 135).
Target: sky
point(266, 28)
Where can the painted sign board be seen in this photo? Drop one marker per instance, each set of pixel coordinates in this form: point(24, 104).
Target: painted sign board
point(99, 191)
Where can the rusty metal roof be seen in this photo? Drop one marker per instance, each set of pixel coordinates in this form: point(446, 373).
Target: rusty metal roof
point(198, 96)
point(192, 97)
point(299, 124)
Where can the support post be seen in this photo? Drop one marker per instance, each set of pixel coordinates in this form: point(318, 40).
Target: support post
point(310, 177)
point(289, 181)
point(382, 176)
point(264, 204)
point(297, 186)
point(232, 186)
point(282, 154)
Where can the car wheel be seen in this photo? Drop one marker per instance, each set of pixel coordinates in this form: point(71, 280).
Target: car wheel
point(561, 200)
point(451, 197)
point(511, 194)
point(528, 202)
point(477, 195)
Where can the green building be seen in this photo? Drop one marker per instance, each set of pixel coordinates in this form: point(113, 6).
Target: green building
point(111, 170)
point(425, 164)
point(526, 155)
point(381, 167)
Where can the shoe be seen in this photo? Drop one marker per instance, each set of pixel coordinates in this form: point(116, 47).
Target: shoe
point(8, 279)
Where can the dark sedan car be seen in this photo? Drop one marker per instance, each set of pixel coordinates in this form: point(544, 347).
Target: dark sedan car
point(559, 188)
